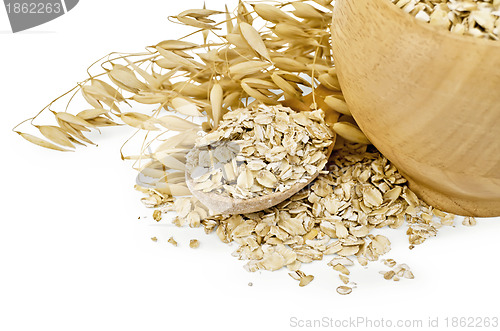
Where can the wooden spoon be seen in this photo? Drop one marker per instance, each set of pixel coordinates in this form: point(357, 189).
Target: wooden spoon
point(228, 205)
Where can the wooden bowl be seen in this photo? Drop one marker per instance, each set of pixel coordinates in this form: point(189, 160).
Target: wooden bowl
point(428, 99)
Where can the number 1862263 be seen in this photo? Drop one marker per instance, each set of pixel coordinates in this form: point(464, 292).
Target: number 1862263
point(34, 8)
point(472, 322)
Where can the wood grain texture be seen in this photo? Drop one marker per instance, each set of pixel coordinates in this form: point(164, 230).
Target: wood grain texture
point(429, 100)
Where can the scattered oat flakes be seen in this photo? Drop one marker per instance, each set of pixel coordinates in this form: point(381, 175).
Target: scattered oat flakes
point(306, 280)
point(389, 262)
point(157, 215)
point(342, 260)
point(398, 271)
point(194, 243)
point(329, 217)
point(344, 278)
point(301, 277)
point(469, 221)
point(389, 274)
point(344, 290)
point(154, 239)
point(341, 268)
point(408, 274)
point(172, 241)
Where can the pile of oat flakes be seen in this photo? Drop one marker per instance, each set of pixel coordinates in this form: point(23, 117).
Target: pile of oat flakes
point(477, 18)
point(331, 218)
point(260, 150)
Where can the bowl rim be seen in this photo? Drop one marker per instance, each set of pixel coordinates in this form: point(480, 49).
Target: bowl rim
point(412, 21)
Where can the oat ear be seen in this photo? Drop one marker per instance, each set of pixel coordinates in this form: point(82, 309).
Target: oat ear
point(216, 99)
point(253, 38)
point(40, 142)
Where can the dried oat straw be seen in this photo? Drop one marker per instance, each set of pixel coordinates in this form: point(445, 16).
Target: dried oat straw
point(260, 150)
point(477, 18)
point(267, 53)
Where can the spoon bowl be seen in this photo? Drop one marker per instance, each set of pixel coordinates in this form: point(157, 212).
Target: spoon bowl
point(228, 205)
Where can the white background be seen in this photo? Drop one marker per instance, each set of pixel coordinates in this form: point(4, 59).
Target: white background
point(75, 256)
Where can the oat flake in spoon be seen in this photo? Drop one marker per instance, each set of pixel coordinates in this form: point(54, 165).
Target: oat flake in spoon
point(258, 157)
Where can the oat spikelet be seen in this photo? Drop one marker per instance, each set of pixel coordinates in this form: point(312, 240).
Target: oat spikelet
point(216, 95)
point(40, 142)
point(254, 39)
